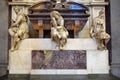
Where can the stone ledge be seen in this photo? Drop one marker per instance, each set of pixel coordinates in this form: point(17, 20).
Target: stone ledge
point(61, 77)
point(47, 44)
point(59, 71)
point(85, 3)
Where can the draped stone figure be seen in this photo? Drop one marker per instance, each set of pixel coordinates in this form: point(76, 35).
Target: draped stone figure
point(98, 32)
point(19, 28)
point(58, 32)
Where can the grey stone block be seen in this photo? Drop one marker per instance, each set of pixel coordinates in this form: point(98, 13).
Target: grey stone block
point(115, 39)
point(3, 37)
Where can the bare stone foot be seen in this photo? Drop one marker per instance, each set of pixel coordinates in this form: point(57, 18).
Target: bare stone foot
point(12, 49)
point(61, 48)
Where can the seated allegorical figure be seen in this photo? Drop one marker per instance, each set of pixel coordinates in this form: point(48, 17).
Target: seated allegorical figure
point(98, 32)
point(19, 28)
point(59, 33)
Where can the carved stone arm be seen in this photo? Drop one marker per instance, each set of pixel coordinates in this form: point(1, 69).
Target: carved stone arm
point(18, 21)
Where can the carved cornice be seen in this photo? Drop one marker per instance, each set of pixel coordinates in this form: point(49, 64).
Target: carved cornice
point(3, 65)
point(85, 3)
point(21, 3)
point(97, 3)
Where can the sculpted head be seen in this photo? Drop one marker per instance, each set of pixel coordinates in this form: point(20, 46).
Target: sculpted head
point(17, 9)
point(55, 14)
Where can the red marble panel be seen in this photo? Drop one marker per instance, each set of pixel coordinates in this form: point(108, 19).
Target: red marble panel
point(55, 59)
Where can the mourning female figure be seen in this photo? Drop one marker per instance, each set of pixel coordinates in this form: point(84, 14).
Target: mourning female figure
point(58, 32)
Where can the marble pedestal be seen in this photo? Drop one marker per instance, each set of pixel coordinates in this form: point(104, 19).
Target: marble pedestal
point(20, 61)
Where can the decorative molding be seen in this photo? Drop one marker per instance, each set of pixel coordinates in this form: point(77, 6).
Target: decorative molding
point(85, 3)
point(98, 3)
point(3, 65)
point(115, 65)
point(21, 3)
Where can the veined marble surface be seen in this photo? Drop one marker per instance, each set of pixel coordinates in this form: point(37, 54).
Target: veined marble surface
point(20, 60)
point(57, 59)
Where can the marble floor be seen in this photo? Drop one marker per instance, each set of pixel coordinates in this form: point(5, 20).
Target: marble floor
point(59, 77)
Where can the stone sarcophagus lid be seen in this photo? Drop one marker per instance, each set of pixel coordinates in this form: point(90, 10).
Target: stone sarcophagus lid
point(74, 14)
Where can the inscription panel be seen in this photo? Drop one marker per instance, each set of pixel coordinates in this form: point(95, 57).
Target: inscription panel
point(55, 59)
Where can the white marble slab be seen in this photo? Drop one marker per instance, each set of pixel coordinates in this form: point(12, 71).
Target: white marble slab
point(36, 0)
point(43, 72)
point(79, 0)
point(20, 62)
point(47, 44)
point(98, 0)
point(59, 71)
point(18, 71)
point(97, 61)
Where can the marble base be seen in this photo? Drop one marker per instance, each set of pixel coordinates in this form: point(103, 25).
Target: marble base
point(97, 62)
point(59, 72)
point(20, 60)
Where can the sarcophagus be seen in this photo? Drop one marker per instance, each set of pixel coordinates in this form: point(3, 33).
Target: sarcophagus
point(74, 14)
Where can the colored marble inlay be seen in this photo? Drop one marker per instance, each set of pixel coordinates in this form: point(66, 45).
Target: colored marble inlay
point(55, 59)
